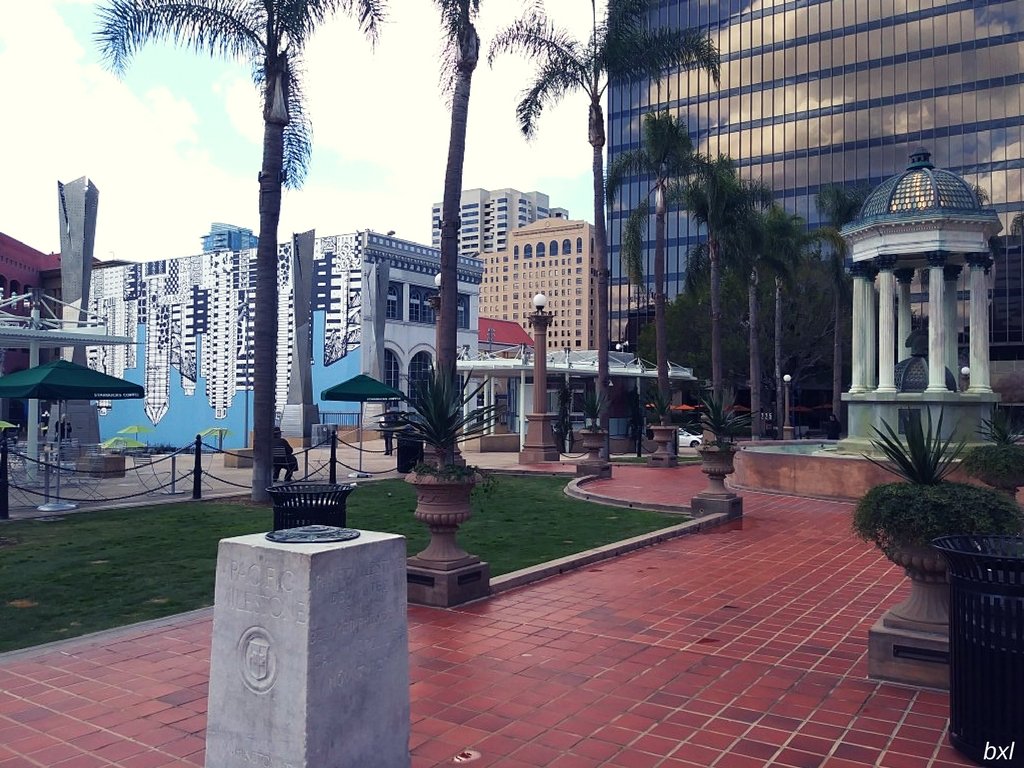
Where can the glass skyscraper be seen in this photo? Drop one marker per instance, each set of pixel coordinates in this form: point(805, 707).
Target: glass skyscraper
point(818, 92)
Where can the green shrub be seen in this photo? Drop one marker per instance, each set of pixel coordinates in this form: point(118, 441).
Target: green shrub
point(1000, 465)
point(897, 515)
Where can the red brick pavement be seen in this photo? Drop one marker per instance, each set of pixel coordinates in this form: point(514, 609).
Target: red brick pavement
point(738, 648)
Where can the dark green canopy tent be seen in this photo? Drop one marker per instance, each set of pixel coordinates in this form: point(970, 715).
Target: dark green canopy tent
point(361, 389)
point(61, 380)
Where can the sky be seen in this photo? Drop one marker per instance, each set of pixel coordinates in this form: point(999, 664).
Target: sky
point(176, 143)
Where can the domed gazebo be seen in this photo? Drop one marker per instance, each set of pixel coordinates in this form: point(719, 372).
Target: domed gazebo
point(922, 218)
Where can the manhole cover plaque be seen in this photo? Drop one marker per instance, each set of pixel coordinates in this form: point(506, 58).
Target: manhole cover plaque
point(313, 534)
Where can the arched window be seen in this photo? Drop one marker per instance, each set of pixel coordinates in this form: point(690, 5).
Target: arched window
point(394, 308)
point(391, 369)
point(427, 314)
point(566, 246)
point(419, 372)
point(527, 251)
point(553, 248)
point(15, 288)
point(3, 286)
point(416, 305)
point(540, 250)
point(579, 245)
point(515, 252)
point(462, 311)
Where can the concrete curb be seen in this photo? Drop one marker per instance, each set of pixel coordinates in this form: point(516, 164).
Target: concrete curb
point(575, 490)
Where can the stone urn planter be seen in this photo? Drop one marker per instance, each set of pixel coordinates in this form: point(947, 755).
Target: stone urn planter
point(443, 504)
point(664, 456)
point(926, 609)
point(593, 464)
point(717, 462)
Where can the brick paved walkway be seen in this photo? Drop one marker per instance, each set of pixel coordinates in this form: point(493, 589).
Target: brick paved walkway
point(738, 648)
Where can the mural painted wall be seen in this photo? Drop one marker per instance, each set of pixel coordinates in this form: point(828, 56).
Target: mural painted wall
point(190, 320)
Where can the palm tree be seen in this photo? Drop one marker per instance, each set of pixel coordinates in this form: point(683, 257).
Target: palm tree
point(837, 206)
point(621, 48)
point(667, 155)
point(774, 247)
point(269, 35)
point(460, 56)
point(716, 199)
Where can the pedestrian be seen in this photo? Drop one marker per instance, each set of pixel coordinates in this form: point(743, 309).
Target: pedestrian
point(388, 422)
point(833, 427)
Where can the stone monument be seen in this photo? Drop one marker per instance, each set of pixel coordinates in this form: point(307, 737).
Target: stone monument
point(300, 413)
point(309, 665)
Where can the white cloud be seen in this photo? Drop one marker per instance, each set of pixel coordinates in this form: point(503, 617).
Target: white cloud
point(380, 121)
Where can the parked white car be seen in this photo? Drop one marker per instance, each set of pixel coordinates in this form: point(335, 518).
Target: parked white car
point(688, 439)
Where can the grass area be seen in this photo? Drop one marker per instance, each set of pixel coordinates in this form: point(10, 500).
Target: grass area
point(95, 570)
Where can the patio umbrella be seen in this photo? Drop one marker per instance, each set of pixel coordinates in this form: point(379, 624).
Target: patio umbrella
point(60, 380)
point(361, 389)
point(135, 429)
point(120, 443)
point(220, 432)
point(7, 425)
point(684, 407)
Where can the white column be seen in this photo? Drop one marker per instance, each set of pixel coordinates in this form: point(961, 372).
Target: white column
point(870, 331)
point(951, 274)
point(522, 408)
point(857, 353)
point(904, 323)
point(886, 324)
point(936, 323)
point(981, 380)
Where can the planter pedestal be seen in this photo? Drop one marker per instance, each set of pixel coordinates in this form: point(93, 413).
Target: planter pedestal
point(444, 574)
point(716, 463)
point(663, 456)
point(593, 464)
point(910, 642)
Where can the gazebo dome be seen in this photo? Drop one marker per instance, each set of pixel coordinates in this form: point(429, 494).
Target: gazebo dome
point(921, 188)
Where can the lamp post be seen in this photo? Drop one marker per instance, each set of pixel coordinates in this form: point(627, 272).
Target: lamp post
point(787, 429)
point(965, 378)
point(435, 305)
point(539, 444)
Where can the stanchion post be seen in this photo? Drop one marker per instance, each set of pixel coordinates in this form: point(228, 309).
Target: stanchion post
point(174, 470)
point(4, 485)
point(197, 470)
point(333, 475)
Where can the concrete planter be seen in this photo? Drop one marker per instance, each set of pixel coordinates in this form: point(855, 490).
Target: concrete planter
point(717, 462)
point(442, 504)
point(664, 456)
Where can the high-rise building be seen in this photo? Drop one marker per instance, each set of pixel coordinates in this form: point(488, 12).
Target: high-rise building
point(488, 216)
point(554, 257)
point(841, 92)
point(228, 237)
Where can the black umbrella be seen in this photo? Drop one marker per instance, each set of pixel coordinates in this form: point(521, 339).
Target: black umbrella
point(361, 389)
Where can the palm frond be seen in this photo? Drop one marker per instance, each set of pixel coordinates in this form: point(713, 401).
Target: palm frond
point(632, 161)
point(536, 37)
point(633, 243)
point(633, 53)
point(298, 134)
point(219, 27)
point(551, 82)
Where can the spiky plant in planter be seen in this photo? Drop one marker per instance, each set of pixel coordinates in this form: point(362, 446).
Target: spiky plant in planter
point(902, 518)
point(664, 432)
point(594, 437)
point(1000, 464)
point(725, 425)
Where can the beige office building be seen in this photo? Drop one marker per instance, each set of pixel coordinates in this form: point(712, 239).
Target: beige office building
point(490, 215)
point(554, 257)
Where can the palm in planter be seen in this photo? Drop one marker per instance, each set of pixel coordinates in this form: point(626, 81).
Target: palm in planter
point(593, 436)
point(441, 419)
point(664, 432)
point(1000, 464)
point(902, 518)
point(725, 425)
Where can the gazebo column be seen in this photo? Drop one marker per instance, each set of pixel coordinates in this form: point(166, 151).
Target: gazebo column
point(981, 378)
point(858, 270)
point(951, 273)
point(870, 329)
point(936, 323)
point(904, 323)
point(886, 324)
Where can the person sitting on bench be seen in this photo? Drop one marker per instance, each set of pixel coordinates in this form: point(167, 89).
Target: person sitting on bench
point(284, 456)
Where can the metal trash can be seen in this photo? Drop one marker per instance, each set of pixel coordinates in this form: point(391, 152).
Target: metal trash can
point(986, 646)
point(410, 452)
point(298, 504)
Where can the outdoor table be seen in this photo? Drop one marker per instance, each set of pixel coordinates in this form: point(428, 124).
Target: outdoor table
point(304, 503)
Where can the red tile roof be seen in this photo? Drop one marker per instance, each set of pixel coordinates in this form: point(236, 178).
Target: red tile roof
point(507, 333)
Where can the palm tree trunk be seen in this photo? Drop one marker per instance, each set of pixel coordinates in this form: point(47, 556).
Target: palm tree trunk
point(778, 359)
point(716, 317)
point(755, 357)
point(597, 140)
point(660, 331)
point(469, 50)
point(837, 356)
point(264, 380)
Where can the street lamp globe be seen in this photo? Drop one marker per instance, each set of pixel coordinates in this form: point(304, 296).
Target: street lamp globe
point(437, 280)
point(965, 371)
point(540, 301)
point(787, 378)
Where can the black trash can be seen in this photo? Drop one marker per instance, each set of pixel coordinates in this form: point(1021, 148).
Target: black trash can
point(986, 646)
point(298, 504)
point(410, 452)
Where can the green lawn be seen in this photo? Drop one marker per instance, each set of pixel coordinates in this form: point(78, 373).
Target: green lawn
point(95, 570)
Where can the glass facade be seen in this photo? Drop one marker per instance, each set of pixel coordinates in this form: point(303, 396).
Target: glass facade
point(817, 92)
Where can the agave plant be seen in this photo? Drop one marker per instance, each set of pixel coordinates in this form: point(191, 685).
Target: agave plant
point(719, 418)
point(926, 458)
point(592, 406)
point(440, 418)
point(999, 428)
point(658, 404)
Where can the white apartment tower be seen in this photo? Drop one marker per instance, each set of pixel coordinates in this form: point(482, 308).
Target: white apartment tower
point(489, 215)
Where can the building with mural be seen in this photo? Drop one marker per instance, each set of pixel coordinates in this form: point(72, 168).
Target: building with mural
point(190, 320)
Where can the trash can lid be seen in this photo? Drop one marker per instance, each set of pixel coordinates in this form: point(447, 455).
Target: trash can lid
point(984, 557)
